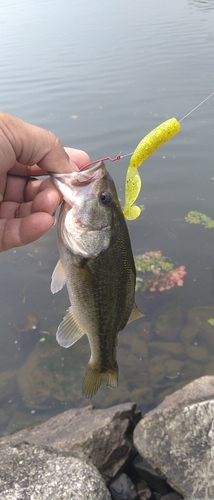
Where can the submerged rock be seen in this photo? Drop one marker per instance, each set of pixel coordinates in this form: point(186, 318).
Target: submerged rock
point(177, 439)
point(157, 368)
point(187, 334)
point(3, 416)
point(38, 473)
point(197, 352)
point(105, 436)
point(46, 374)
point(168, 319)
point(198, 318)
point(134, 343)
point(174, 348)
point(23, 419)
point(8, 385)
point(209, 368)
point(192, 370)
point(174, 368)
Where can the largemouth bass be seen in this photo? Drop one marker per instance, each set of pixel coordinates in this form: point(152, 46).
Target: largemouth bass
point(97, 265)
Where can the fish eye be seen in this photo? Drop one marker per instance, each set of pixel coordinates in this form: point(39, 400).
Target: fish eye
point(105, 197)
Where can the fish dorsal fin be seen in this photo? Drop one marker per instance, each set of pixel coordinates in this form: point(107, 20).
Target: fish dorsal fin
point(58, 277)
point(135, 314)
point(69, 330)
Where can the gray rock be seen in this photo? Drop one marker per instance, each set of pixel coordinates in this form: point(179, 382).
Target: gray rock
point(171, 496)
point(194, 392)
point(143, 493)
point(29, 472)
point(150, 476)
point(177, 439)
point(105, 436)
point(123, 488)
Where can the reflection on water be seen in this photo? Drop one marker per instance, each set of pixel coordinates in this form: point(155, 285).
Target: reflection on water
point(101, 81)
point(202, 4)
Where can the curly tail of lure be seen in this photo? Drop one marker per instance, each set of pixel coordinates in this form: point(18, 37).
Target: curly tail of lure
point(154, 140)
point(145, 148)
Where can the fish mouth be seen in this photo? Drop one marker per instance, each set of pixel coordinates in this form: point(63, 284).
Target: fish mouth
point(89, 171)
point(67, 183)
point(84, 171)
point(93, 165)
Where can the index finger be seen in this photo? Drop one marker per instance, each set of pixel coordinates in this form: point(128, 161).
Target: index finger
point(29, 145)
point(77, 159)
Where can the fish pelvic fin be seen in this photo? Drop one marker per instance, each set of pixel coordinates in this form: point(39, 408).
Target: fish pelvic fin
point(58, 277)
point(135, 314)
point(94, 379)
point(69, 331)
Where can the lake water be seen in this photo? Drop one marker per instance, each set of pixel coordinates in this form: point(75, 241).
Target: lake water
point(101, 75)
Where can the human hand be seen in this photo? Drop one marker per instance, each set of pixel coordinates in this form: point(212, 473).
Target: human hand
point(27, 204)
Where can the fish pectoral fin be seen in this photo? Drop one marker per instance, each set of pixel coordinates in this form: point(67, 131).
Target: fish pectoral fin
point(69, 330)
point(94, 379)
point(135, 314)
point(58, 279)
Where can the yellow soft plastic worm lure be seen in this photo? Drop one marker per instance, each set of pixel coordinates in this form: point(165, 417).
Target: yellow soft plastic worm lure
point(154, 140)
point(145, 148)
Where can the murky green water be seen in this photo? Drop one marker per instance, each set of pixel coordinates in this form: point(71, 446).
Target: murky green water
point(101, 75)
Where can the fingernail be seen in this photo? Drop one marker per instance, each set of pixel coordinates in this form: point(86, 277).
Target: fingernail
point(54, 221)
point(73, 165)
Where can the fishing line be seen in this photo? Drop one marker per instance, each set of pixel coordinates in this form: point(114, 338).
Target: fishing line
point(185, 116)
point(119, 157)
point(196, 107)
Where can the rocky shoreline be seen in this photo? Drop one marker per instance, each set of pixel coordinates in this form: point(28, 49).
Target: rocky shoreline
point(93, 454)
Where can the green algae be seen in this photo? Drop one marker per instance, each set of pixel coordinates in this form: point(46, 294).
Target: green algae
point(194, 217)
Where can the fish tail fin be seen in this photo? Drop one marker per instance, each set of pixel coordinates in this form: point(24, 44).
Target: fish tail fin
point(94, 379)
